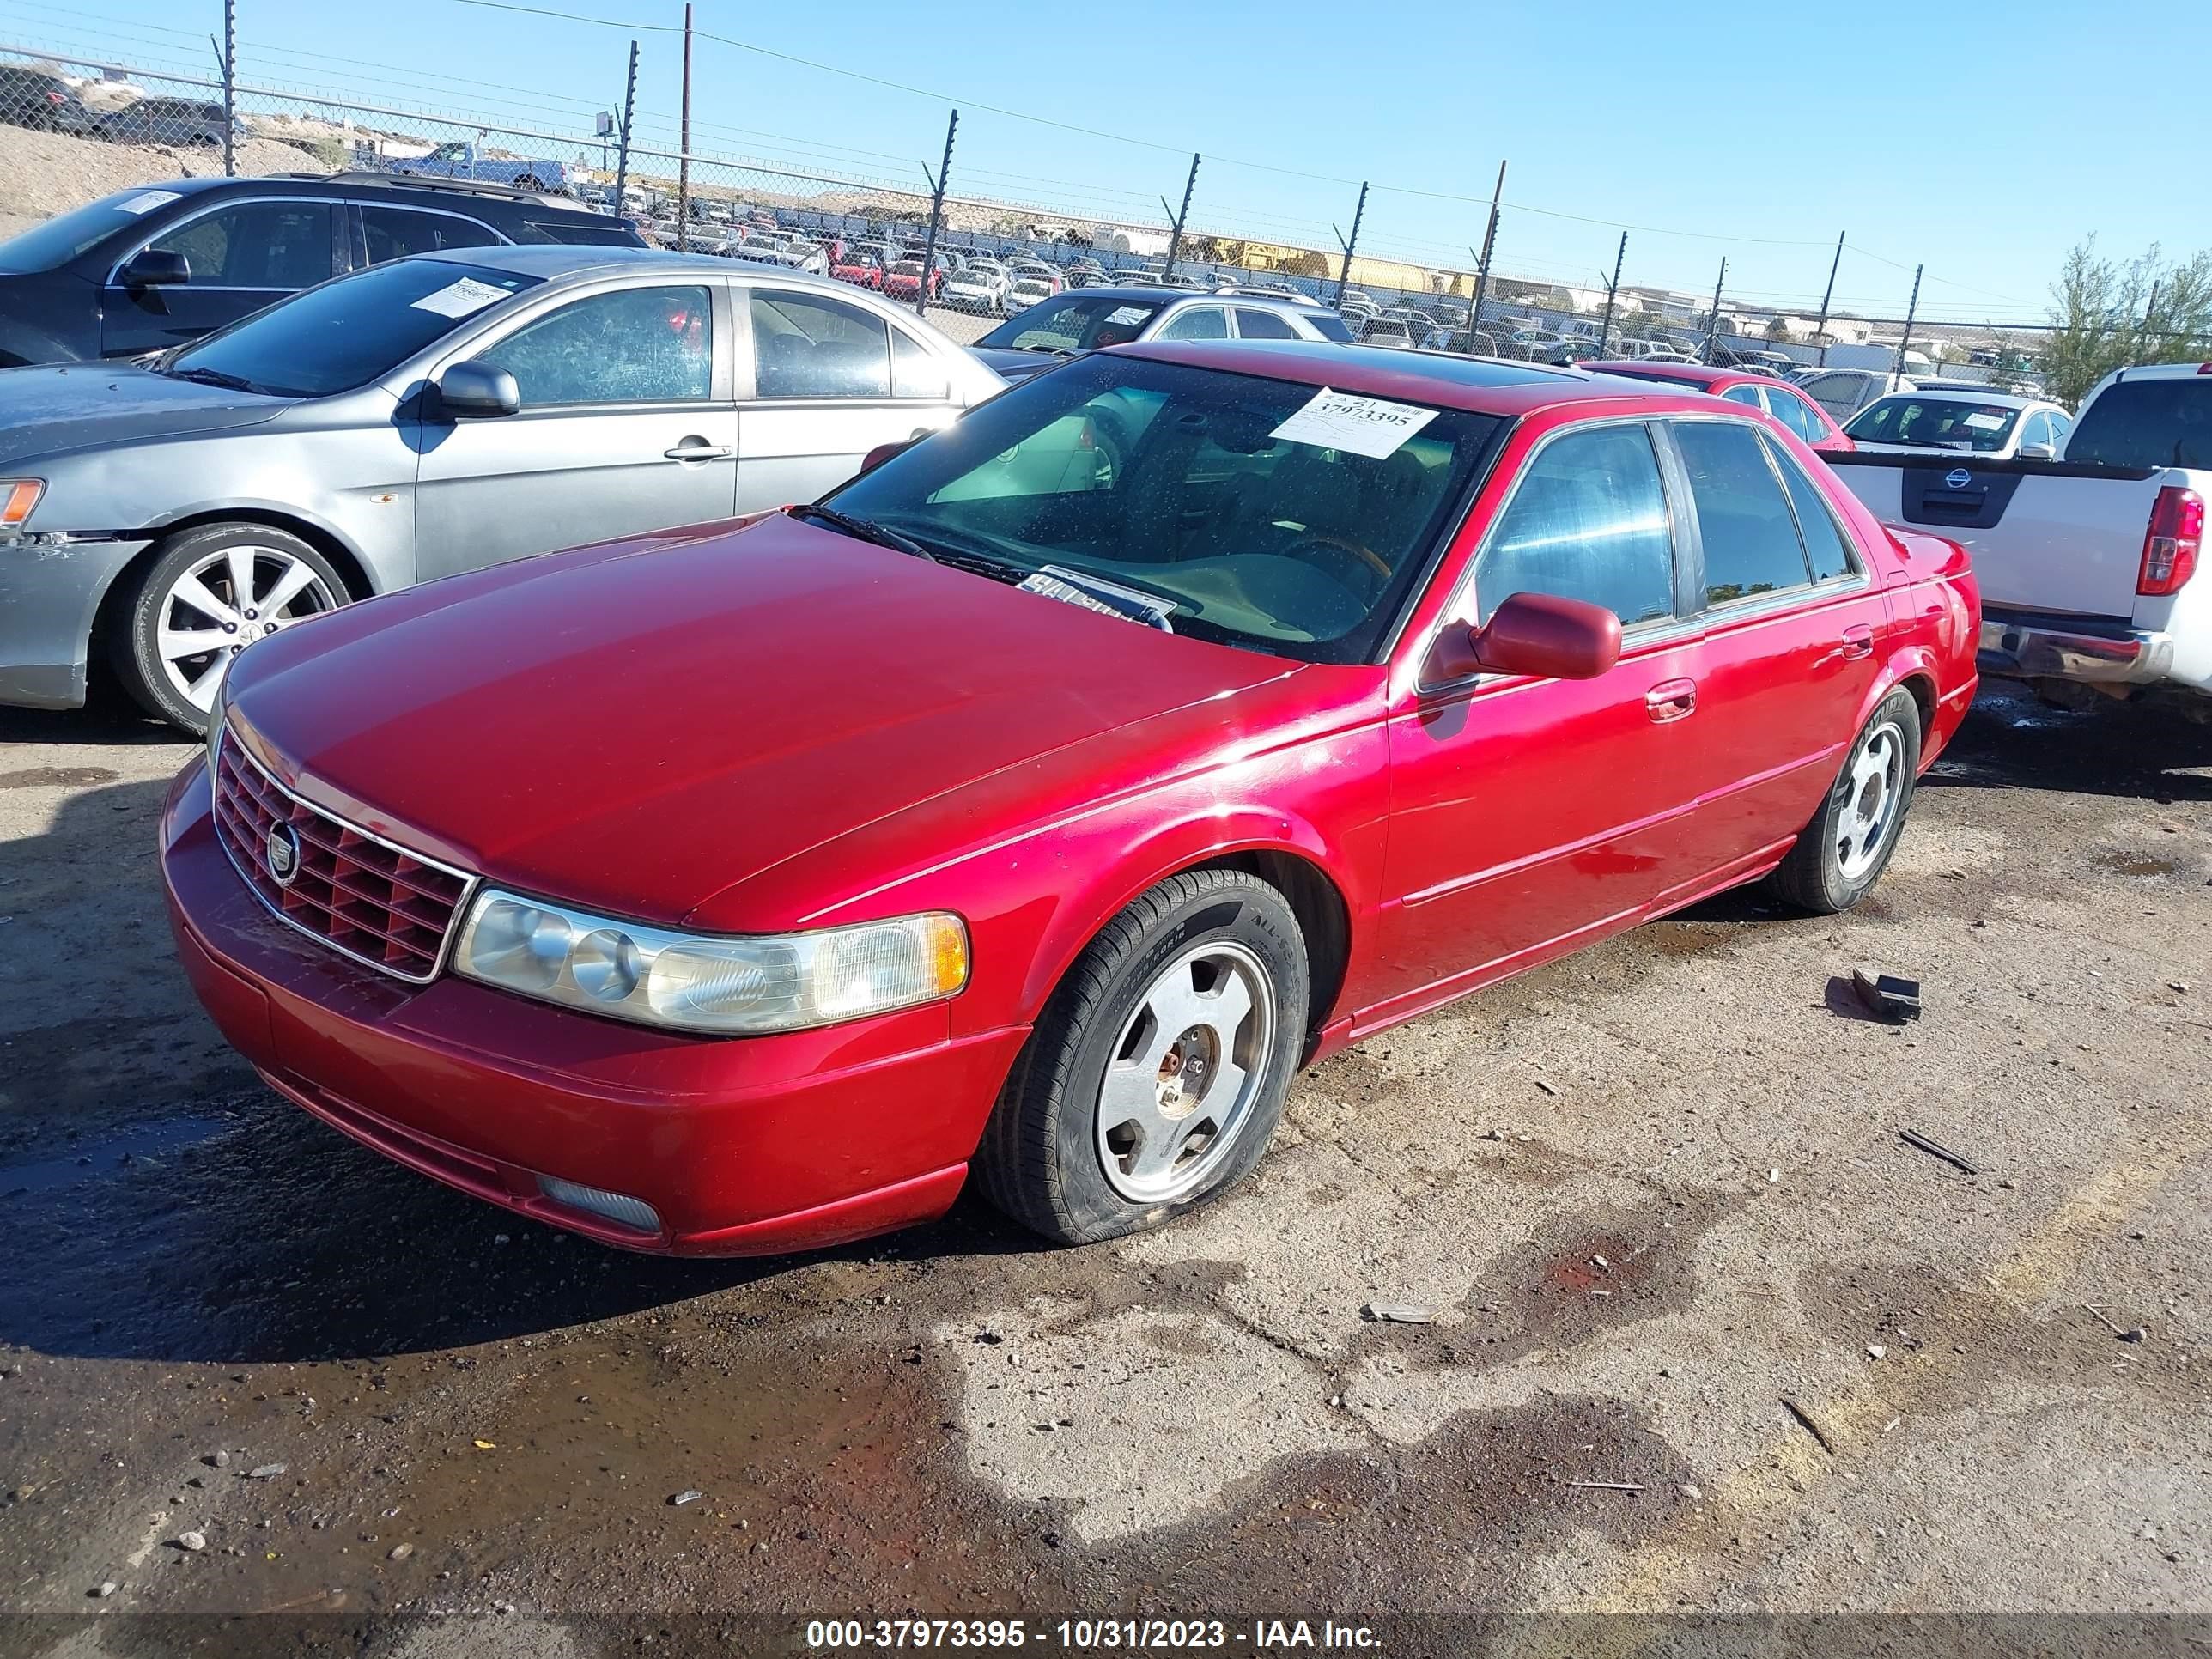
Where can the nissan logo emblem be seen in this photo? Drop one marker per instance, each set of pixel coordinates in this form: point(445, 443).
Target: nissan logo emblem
point(283, 851)
point(1958, 478)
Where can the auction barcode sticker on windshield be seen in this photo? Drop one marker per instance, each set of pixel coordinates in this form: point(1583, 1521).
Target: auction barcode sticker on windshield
point(1373, 426)
point(1985, 420)
point(460, 299)
point(1125, 315)
point(147, 200)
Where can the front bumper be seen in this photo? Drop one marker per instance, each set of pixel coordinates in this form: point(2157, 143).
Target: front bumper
point(2021, 647)
point(744, 1146)
point(50, 593)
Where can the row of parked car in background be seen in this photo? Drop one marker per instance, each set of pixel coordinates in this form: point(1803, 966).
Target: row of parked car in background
point(45, 100)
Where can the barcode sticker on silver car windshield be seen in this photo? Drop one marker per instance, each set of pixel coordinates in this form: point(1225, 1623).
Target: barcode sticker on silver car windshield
point(1373, 426)
point(147, 200)
point(460, 299)
point(1125, 315)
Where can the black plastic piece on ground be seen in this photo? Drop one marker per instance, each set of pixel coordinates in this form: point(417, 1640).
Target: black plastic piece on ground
point(1887, 996)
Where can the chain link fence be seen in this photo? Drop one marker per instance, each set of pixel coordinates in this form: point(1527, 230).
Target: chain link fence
point(913, 237)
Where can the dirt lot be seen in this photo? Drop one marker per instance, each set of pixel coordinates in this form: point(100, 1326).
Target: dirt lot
point(1649, 1192)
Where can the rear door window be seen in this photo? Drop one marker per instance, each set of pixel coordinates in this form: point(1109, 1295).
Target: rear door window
point(1253, 323)
point(2148, 422)
point(1744, 522)
point(808, 345)
point(1587, 521)
point(1794, 412)
point(1825, 549)
point(1742, 394)
point(394, 233)
point(1837, 393)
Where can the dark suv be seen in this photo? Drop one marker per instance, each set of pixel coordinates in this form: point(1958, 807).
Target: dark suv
point(144, 270)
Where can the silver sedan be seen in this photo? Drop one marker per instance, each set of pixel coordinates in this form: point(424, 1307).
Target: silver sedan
point(419, 418)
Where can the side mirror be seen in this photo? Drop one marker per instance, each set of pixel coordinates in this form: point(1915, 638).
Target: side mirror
point(156, 267)
point(476, 390)
point(2037, 453)
point(1536, 634)
point(882, 453)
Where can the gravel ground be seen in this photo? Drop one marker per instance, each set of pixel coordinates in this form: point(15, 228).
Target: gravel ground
point(1649, 1192)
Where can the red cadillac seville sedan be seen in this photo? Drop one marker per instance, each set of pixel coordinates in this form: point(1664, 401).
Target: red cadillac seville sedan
point(1039, 801)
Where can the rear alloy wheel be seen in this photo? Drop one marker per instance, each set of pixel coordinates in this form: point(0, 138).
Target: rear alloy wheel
point(1158, 1071)
point(1842, 851)
point(210, 593)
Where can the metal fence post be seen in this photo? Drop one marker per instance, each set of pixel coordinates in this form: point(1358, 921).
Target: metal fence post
point(1482, 262)
point(1820, 329)
point(1604, 328)
point(230, 88)
point(1344, 277)
point(622, 155)
point(1175, 236)
point(684, 146)
point(1911, 307)
point(1713, 333)
point(936, 219)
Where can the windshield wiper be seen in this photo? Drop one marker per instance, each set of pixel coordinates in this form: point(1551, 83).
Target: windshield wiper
point(213, 377)
point(1057, 351)
point(863, 530)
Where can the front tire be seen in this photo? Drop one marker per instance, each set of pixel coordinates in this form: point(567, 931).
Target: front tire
point(1841, 854)
point(208, 594)
point(1157, 1072)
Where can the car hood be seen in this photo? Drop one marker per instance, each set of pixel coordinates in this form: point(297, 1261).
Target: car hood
point(64, 406)
point(1013, 365)
point(636, 726)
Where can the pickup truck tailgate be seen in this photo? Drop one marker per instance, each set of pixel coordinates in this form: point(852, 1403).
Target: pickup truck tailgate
point(2053, 537)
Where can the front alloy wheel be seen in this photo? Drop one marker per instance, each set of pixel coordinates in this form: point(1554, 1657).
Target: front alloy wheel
point(1158, 1072)
point(208, 595)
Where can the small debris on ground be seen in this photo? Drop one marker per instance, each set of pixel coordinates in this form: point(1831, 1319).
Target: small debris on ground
point(1810, 1424)
point(191, 1542)
point(1913, 1138)
point(1399, 1312)
point(400, 1552)
point(1887, 997)
point(217, 1460)
point(102, 1591)
point(264, 1472)
point(2126, 1333)
point(1607, 1486)
point(1545, 1087)
point(678, 1500)
point(1690, 1492)
point(1876, 1351)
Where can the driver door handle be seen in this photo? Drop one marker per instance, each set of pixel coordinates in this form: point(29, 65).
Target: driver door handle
point(698, 449)
point(1671, 700)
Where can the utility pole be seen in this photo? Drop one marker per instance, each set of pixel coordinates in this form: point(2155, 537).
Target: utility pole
point(683, 145)
point(1348, 243)
point(230, 88)
point(1820, 328)
point(1604, 328)
point(1482, 261)
point(936, 217)
point(629, 108)
point(1911, 308)
point(1175, 236)
point(1713, 332)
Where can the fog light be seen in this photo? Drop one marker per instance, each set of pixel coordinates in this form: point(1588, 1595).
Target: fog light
point(618, 1207)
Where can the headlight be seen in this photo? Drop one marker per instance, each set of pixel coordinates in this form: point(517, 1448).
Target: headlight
point(748, 985)
point(17, 497)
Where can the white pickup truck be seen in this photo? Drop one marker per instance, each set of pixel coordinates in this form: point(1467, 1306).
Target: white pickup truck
point(2088, 563)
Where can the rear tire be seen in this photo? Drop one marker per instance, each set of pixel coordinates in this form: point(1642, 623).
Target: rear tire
point(1157, 1073)
point(1842, 852)
point(181, 619)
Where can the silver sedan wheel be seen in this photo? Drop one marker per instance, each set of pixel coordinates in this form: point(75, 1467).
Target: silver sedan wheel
point(1871, 792)
point(221, 606)
point(1191, 1062)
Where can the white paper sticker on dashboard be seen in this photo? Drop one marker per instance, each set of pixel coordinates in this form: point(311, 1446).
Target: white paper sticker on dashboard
point(460, 299)
point(1366, 426)
point(1125, 315)
point(147, 200)
point(1983, 420)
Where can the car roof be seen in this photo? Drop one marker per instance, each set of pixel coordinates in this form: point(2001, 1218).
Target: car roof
point(2002, 400)
point(1486, 386)
point(1696, 374)
point(548, 260)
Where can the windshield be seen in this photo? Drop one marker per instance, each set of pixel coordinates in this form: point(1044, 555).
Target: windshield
point(348, 331)
point(2166, 421)
point(58, 241)
point(1074, 322)
point(1935, 423)
point(1192, 485)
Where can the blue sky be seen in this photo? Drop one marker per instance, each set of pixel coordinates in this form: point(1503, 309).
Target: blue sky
point(1982, 143)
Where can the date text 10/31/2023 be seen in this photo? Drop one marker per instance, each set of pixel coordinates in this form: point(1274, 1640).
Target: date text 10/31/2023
point(1259, 1635)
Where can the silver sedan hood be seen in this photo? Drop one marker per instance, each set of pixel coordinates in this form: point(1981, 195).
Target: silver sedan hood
point(53, 409)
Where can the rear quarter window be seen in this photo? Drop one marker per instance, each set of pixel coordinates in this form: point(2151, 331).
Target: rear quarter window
point(2160, 422)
